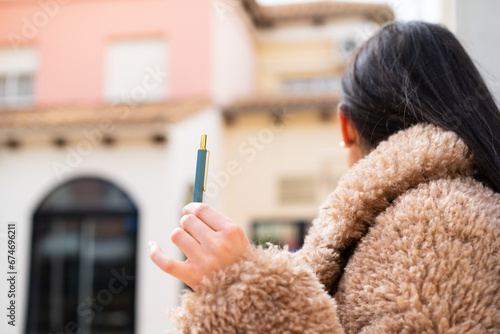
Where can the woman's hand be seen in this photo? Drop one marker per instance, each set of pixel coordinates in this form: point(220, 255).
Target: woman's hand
point(210, 241)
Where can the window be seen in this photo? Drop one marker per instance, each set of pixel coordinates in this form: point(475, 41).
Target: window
point(280, 232)
point(83, 261)
point(17, 69)
point(297, 190)
point(311, 85)
point(136, 71)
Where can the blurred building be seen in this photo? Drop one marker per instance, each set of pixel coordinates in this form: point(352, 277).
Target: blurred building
point(102, 108)
point(103, 105)
point(282, 141)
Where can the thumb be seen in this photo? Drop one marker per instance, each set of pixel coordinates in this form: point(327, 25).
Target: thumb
point(179, 269)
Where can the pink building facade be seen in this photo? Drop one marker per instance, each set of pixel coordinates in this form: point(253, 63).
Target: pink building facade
point(71, 38)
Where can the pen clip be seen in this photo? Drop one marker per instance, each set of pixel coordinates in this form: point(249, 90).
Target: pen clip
point(206, 172)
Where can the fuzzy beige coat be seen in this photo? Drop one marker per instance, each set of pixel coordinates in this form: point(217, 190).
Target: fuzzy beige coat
point(409, 242)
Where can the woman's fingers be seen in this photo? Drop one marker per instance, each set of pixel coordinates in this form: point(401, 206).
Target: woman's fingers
point(187, 244)
point(197, 229)
point(178, 269)
point(213, 218)
point(209, 239)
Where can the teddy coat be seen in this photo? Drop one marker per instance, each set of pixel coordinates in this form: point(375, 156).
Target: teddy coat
point(409, 242)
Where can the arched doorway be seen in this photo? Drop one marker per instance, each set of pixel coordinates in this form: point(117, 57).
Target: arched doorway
point(83, 260)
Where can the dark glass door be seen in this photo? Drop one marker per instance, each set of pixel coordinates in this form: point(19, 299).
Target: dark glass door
point(83, 263)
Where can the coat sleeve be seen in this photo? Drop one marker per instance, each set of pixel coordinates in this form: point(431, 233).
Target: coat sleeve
point(266, 291)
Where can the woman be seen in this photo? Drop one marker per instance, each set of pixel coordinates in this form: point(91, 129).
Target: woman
point(410, 239)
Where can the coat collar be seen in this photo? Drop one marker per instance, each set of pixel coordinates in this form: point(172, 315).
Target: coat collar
point(416, 155)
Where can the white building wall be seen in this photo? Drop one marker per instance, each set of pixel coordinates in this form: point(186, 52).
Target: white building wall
point(478, 28)
point(157, 178)
point(232, 52)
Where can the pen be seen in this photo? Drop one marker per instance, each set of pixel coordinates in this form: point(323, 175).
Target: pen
point(200, 182)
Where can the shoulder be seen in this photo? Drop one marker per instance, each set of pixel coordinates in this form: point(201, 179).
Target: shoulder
point(422, 257)
point(460, 207)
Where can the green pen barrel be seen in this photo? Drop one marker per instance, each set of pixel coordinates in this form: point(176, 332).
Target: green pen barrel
point(199, 180)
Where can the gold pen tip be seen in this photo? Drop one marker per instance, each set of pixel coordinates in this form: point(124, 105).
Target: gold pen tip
point(203, 144)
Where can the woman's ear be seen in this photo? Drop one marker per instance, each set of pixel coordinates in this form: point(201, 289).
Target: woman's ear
point(349, 133)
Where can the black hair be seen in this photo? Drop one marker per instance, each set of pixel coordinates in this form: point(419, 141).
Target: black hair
point(416, 72)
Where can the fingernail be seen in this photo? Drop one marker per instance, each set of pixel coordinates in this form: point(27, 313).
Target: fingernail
point(194, 205)
point(151, 244)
